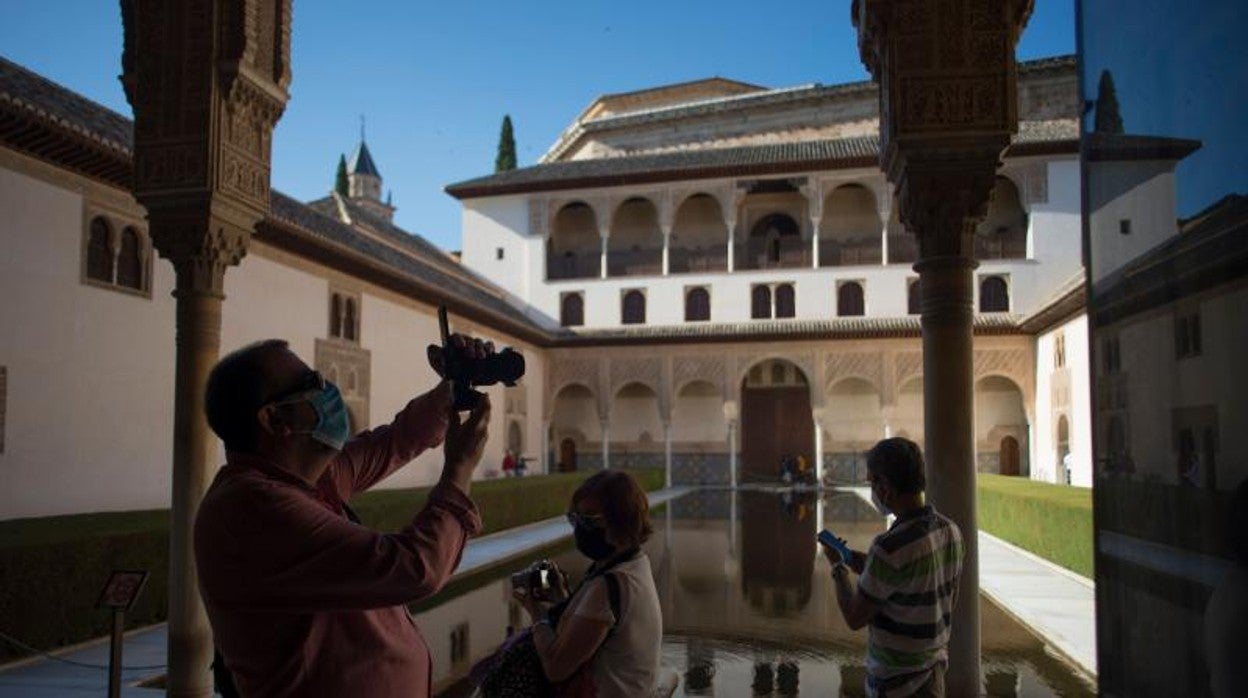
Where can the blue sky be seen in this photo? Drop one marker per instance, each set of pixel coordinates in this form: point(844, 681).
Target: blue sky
point(1192, 84)
point(435, 79)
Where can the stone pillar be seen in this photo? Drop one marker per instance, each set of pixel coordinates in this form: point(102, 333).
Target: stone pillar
point(885, 208)
point(814, 206)
point(731, 223)
point(948, 106)
point(602, 260)
point(732, 454)
point(208, 83)
point(606, 444)
point(667, 243)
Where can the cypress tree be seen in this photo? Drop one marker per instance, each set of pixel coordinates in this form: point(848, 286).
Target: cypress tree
point(1108, 118)
point(506, 159)
point(340, 180)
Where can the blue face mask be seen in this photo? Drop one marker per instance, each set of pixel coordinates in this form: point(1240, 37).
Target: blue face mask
point(333, 423)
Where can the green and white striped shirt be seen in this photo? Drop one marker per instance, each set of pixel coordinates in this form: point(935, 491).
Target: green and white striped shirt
point(911, 574)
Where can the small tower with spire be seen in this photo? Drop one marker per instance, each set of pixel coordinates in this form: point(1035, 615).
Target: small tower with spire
point(364, 181)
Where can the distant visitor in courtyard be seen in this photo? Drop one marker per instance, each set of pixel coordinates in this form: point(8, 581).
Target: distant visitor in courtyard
point(611, 627)
point(303, 600)
point(907, 584)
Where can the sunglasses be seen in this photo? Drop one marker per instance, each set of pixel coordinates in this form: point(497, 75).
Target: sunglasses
point(582, 521)
point(312, 380)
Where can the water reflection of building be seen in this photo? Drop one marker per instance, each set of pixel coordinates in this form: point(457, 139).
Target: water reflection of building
point(776, 552)
point(1167, 242)
point(1168, 309)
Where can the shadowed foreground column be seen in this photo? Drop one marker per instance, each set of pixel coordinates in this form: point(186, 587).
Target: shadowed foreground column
point(207, 80)
point(948, 105)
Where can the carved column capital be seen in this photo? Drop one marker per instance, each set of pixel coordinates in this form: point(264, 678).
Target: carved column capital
point(207, 80)
point(941, 202)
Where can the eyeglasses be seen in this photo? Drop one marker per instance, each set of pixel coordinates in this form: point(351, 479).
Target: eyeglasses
point(580, 520)
point(312, 380)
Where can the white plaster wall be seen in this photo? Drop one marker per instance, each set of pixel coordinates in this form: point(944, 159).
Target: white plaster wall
point(852, 416)
point(90, 370)
point(1141, 191)
point(574, 411)
point(495, 222)
point(635, 412)
point(1157, 383)
point(1078, 413)
point(484, 610)
point(492, 222)
point(698, 415)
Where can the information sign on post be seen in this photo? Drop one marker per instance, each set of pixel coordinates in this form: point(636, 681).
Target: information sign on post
point(119, 595)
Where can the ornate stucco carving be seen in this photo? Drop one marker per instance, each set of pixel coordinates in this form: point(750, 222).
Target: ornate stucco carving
point(906, 365)
point(865, 365)
point(1010, 363)
point(644, 370)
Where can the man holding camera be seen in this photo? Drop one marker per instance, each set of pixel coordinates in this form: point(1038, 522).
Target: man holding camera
point(304, 600)
point(908, 581)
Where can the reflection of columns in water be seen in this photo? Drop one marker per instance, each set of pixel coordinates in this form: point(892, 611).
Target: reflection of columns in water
point(667, 454)
point(818, 451)
point(606, 444)
point(545, 455)
point(819, 521)
point(732, 522)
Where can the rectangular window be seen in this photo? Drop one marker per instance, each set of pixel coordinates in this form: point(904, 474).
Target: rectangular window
point(116, 254)
point(459, 644)
point(498, 253)
point(1059, 350)
point(1110, 359)
point(1187, 338)
point(344, 315)
point(1124, 226)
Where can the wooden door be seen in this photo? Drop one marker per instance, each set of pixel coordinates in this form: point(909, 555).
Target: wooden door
point(567, 456)
point(1009, 456)
point(775, 421)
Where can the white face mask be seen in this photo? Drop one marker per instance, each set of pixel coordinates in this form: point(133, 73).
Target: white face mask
point(879, 506)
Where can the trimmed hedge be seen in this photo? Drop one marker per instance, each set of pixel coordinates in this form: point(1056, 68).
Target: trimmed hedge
point(52, 568)
point(1052, 521)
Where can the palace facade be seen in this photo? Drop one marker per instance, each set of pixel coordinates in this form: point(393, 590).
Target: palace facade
point(704, 277)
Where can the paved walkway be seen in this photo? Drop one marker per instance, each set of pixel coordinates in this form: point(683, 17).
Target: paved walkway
point(1056, 604)
point(145, 648)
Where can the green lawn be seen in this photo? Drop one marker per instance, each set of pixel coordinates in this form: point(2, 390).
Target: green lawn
point(52, 568)
point(1052, 521)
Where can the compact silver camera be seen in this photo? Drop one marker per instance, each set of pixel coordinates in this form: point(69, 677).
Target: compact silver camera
point(538, 578)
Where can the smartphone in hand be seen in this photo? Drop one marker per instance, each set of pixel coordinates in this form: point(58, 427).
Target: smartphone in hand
point(827, 538)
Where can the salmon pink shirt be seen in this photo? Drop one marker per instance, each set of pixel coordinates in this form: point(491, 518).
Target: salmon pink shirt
point(302, 601)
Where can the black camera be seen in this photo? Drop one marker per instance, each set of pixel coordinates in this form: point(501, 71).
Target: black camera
point(465, 373)
point(538, 578)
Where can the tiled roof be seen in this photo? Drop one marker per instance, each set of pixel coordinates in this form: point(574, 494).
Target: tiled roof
point(29, 91)
point(403, 255)
point(713, 162)
point(362, 162)
point(753, 100)
point(673, 164)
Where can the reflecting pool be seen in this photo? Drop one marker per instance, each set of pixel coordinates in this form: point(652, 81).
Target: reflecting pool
point(748, 605)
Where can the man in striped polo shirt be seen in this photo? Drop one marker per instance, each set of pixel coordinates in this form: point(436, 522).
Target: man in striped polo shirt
point(908, 581)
